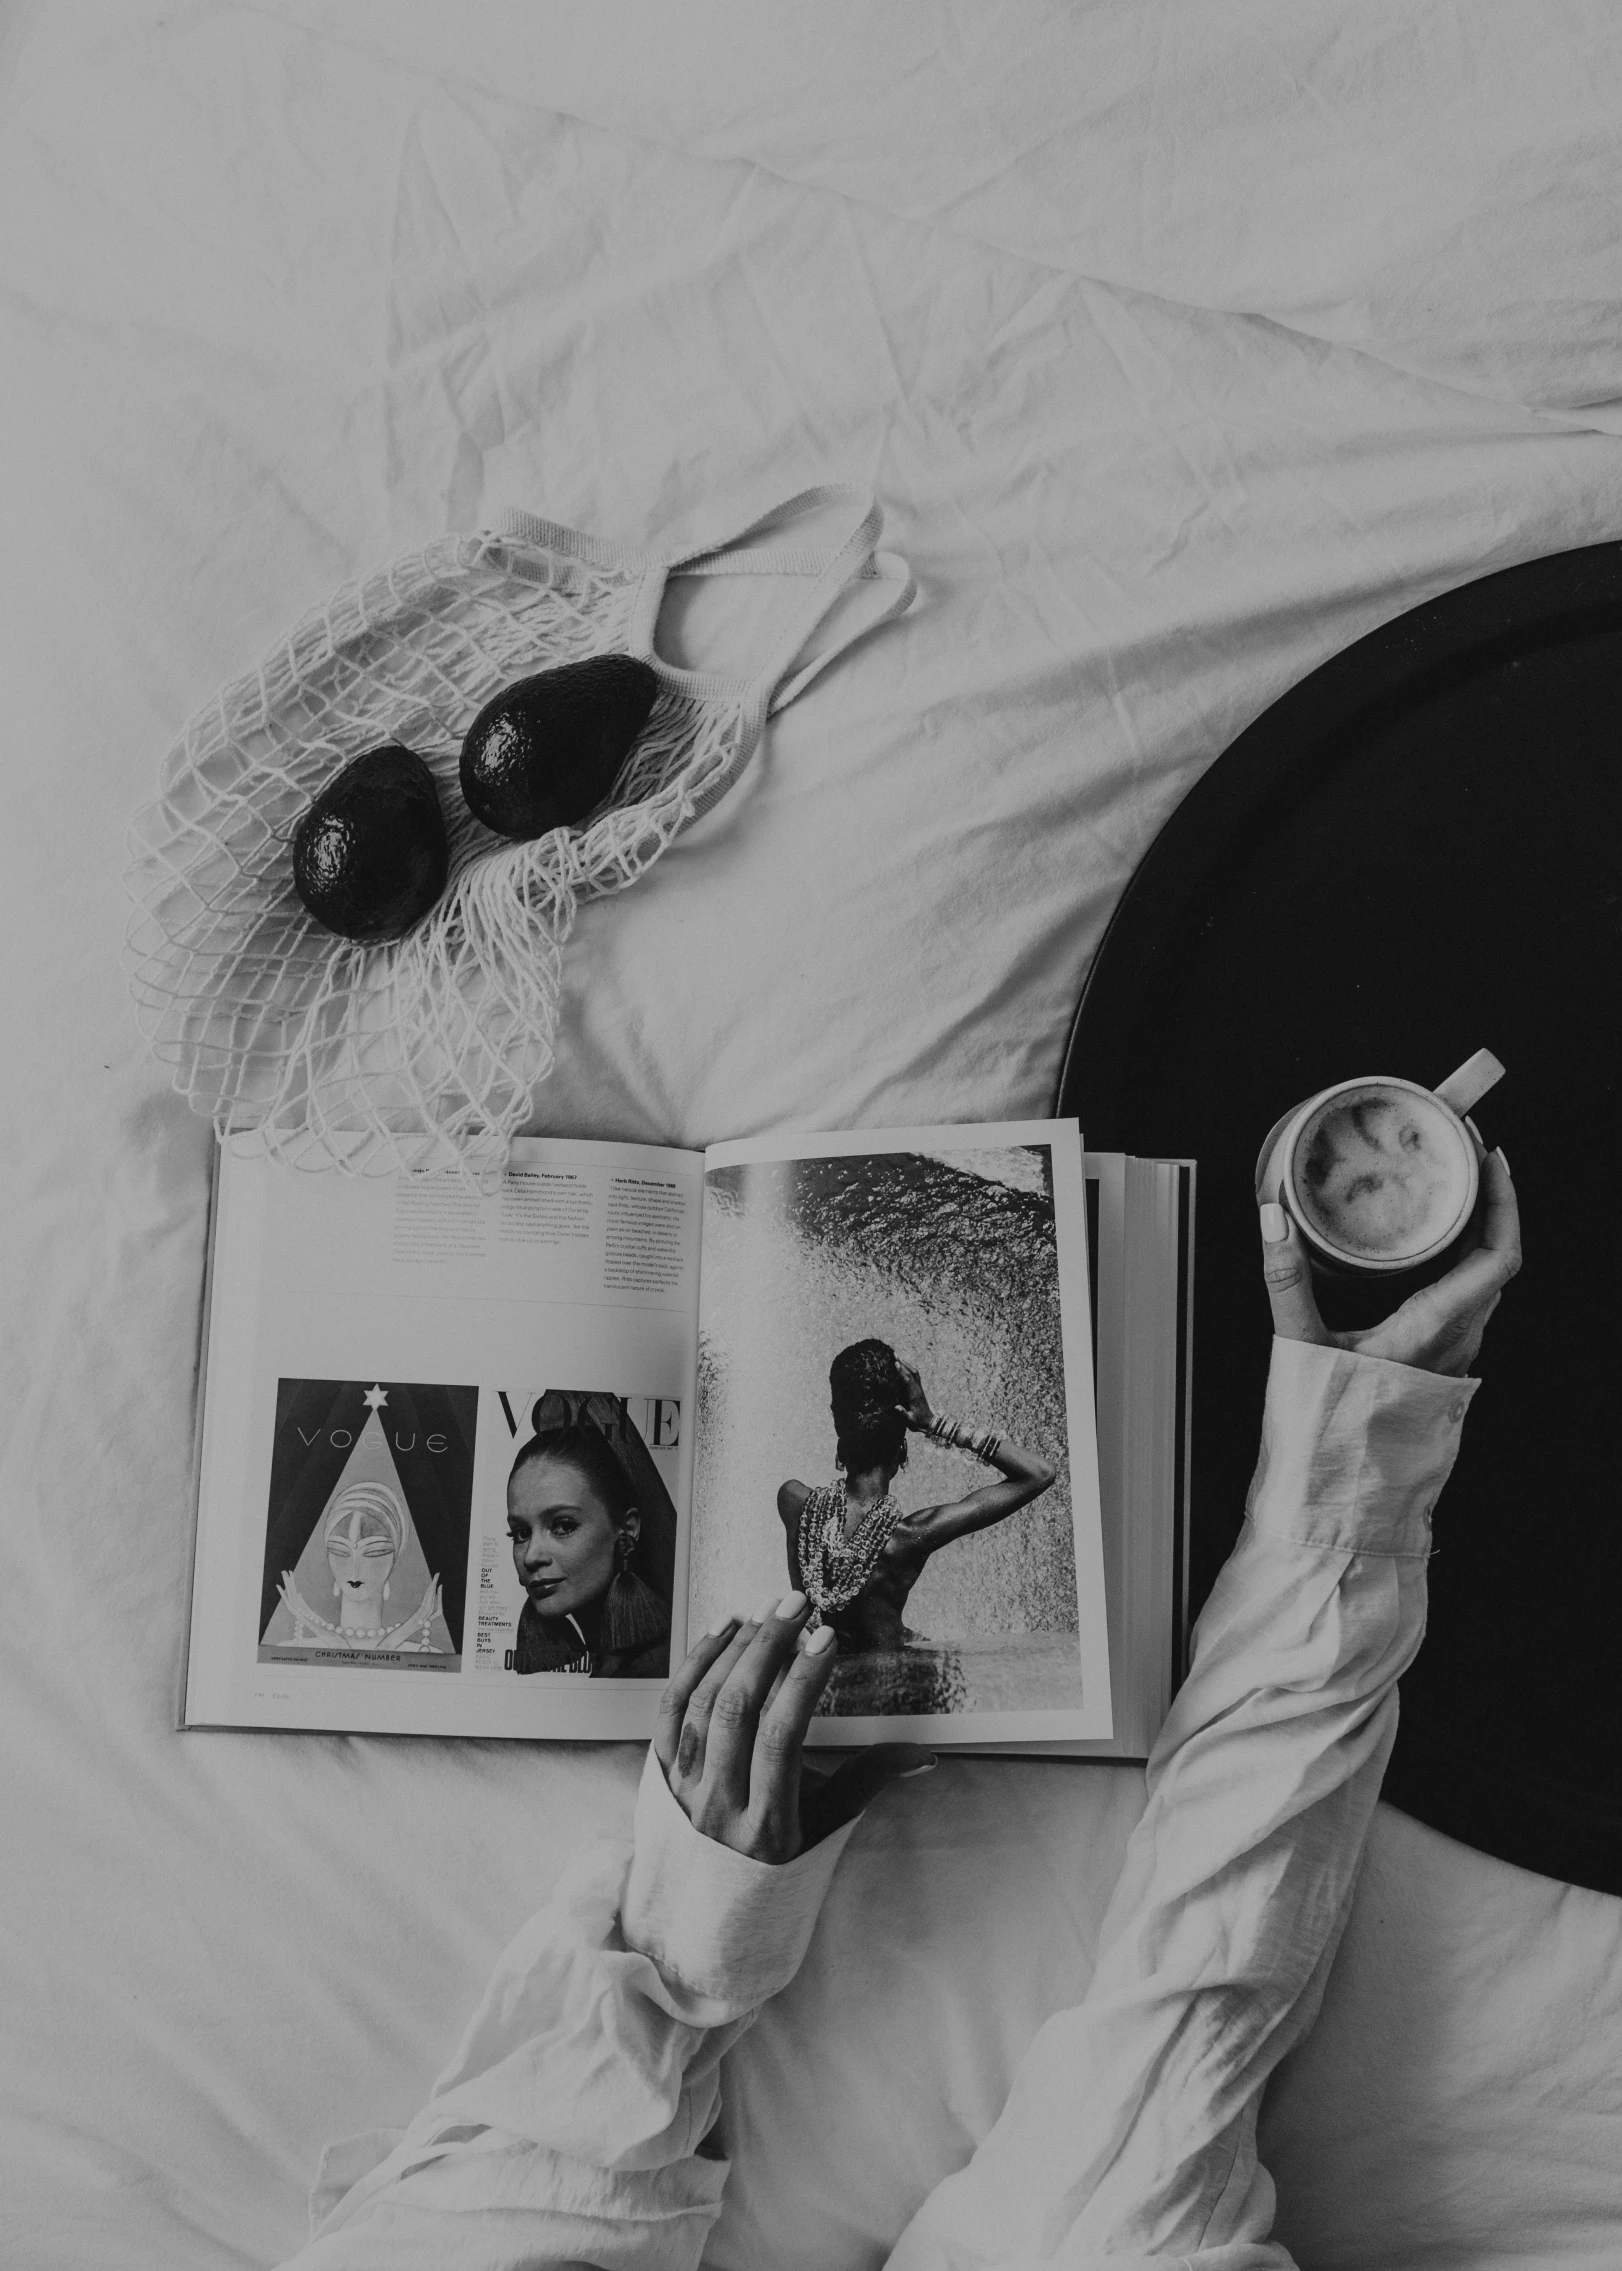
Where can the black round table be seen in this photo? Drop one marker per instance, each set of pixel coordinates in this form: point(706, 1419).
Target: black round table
point(1416, 853)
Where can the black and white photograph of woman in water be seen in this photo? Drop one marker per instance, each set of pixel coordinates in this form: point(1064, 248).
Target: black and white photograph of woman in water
point(889, 1398)
point(857, 1553)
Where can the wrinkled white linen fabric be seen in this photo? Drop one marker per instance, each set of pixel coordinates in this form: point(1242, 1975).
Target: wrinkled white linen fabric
point(281, 299)
point(571, 2124)
point(1437, 190)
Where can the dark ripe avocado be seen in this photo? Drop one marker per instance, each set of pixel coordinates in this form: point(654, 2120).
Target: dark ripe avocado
point(370, 856)
point(547, 750)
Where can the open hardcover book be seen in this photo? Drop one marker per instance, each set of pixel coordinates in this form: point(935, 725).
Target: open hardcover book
point(480, 1462)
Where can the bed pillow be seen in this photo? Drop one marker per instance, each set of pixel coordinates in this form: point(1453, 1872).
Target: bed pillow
point(1459, 2104)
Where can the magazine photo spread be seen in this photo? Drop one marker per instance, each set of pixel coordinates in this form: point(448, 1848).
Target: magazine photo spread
point(478, 1461)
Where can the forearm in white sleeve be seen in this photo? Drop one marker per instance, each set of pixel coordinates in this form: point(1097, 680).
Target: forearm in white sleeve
point(569, 2129)
point(1129, 2136)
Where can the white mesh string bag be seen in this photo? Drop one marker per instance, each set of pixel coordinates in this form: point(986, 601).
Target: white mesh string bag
point(426, 1050)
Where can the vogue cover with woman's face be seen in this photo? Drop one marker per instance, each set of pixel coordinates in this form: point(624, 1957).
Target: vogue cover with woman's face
point(577, 1546)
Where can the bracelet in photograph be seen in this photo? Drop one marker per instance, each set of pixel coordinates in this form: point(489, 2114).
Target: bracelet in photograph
point(958, 1435)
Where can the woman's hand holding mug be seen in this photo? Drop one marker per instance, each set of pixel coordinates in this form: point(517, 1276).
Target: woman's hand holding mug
point(732, 1724)
point(731, 1738)
point(1439, 1328)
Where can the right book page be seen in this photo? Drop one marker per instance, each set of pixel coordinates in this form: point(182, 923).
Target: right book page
point(965, 1578)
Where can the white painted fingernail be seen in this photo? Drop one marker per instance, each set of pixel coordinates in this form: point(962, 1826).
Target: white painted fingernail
point(789, 1606)
point(1275, 1224)
point(714, 1631)
point(1502, 1161)
point(820, 1641)
point(928, 1767)
point(761, 1615)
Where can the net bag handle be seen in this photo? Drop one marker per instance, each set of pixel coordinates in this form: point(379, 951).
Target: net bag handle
point(830, 574)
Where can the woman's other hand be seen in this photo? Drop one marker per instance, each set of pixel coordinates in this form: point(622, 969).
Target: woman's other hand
point(731, 1738)
point(915, 1411)
point(1439, 1328)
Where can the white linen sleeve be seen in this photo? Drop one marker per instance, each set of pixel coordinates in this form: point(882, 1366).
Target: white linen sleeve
point(570, 2126)
point(1128, 2139)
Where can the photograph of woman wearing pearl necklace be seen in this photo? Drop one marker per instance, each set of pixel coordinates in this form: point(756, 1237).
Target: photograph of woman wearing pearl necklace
point(952, 1594)
point(852, 1549)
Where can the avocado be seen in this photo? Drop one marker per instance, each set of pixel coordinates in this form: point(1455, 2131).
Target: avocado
point(547, 750)
point(370, 857)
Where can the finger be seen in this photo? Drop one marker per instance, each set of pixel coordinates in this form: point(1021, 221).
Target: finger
point(1501, 1226)
point(1437, 1332)
point(776, 1688)
point(692, 1743)
point(679, 1690)
point(1472, 1347)
point(735, 1715)
point(774, 1786)
point(1495, 1256)
point(850, 1791)
point(1289, 1280)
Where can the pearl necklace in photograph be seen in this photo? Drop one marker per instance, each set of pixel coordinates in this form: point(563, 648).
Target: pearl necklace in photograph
point(833, 1568)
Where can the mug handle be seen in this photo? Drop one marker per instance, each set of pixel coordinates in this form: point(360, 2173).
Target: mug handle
point(1463, 1090)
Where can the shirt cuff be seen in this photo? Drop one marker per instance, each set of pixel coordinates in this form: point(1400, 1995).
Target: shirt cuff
point(1355, 1450)
point(721, 1924)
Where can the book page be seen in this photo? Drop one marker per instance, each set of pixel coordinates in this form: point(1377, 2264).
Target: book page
point(962, 1253)
point(447, 1461)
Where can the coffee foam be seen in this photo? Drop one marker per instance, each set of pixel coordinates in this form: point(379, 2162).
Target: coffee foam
point(1381, 1173)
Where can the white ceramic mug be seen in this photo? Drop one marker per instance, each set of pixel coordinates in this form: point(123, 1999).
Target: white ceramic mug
point(1285, 1154)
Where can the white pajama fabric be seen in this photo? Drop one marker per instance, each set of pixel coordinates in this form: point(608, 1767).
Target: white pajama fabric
point(571, 2126)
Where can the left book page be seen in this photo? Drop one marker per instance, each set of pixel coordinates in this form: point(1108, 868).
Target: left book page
point(380, 1353)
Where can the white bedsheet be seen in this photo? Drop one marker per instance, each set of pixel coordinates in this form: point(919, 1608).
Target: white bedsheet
point(1183, 346)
